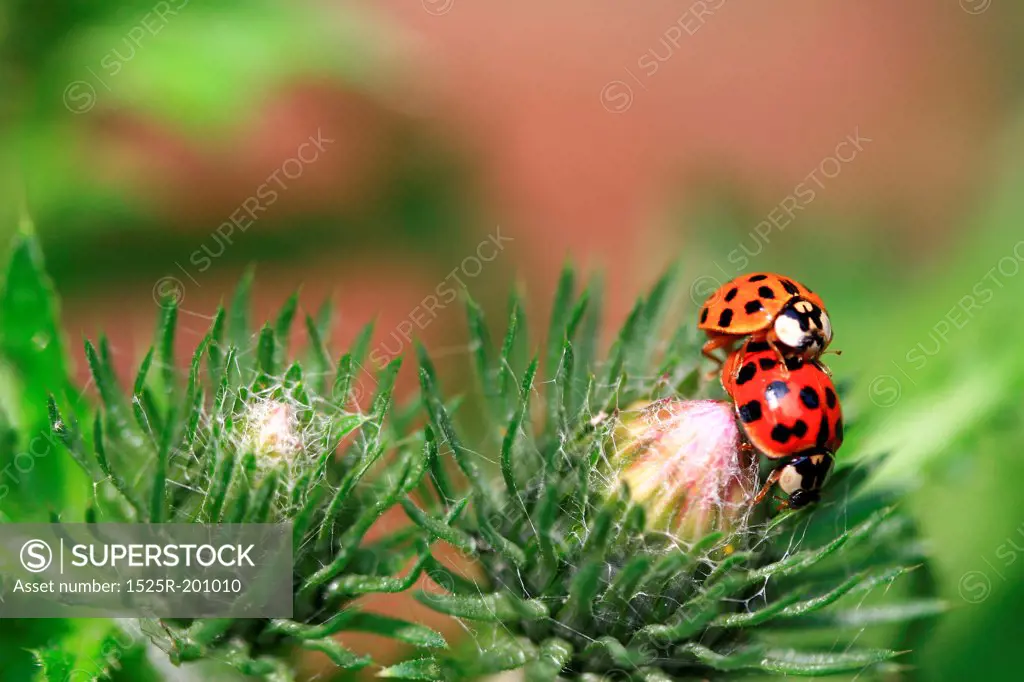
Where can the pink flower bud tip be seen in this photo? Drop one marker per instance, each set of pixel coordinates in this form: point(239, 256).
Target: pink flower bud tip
point(681, 460)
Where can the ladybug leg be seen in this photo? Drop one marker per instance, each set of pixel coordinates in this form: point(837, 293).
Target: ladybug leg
point(821, 365)
point(773, 478)
point(779, 355)
point(748, 452)
point(708, 350)
point(713, 344)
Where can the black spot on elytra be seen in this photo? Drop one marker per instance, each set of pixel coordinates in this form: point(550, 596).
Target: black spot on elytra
point(767, 363)
point(757, 346)
point(823, 430)
point(790, 287)
point(732, 294)
point(765, 292)
point(776, 391)
point(809, 397)
point(758, 278)
point(800, 428)
point(830, 397)
point(839, 429)
point(780, 434)
point(746, 373)
point(704, 316)
point(750, 412)
point(794, 362)
point(752, 307)
point(725, 319)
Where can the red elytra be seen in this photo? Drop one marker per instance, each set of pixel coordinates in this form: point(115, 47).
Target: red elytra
point(751, 305)
point(785, 409)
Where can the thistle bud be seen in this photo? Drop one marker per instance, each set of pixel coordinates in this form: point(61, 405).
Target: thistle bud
point(681, 460)
point(272, 431)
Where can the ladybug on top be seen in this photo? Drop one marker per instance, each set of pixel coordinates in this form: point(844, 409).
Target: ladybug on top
point(768, 307)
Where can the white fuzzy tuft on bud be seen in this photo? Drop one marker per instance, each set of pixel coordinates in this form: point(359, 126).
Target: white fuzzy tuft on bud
point(272, 430)
point(681, 460)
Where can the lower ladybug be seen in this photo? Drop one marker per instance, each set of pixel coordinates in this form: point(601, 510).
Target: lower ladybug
point(789, 412)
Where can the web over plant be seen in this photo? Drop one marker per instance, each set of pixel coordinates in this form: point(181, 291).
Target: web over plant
point(557, 567)
point(704, 599)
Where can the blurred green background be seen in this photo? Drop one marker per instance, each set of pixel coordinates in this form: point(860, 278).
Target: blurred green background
point(385, 150)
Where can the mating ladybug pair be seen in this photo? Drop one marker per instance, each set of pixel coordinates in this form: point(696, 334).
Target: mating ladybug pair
point(784, 397)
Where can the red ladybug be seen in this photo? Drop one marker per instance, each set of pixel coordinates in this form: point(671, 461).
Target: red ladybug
point(790, 412)
point(766, 306)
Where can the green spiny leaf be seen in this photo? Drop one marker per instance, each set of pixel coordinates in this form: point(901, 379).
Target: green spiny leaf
point(342, 381)
point(283, 323)
point(30, 336)
point(106, 383)
point(158, 502)
point(439, 529)
point(621, 657)
point(403, 631)
point(512, 433)
point(223, 472)
point(354, 585)
point(480, 347)
point(238, 317)
point(126, 491)
point(165, 334)
point(554, 654)
point(559, 318)
point(69, 435)
point(267, 351)
point(627, 582)
point(439, 415)
point(215, 350)
point(496, 607)
point(506, 372)
point(319, 359)
point(264, 498)
point(339, 655)
point(428, 669)
point(813, 664)
point(868, 616)
point(140, 377)
point(55, 665)
point(361, 346)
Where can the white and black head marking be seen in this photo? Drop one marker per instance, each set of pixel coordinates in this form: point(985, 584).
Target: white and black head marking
point(803, 477)
point(804, 327)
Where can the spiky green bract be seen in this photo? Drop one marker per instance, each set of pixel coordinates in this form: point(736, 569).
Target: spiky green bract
point(571, 582)
point(243, 435)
